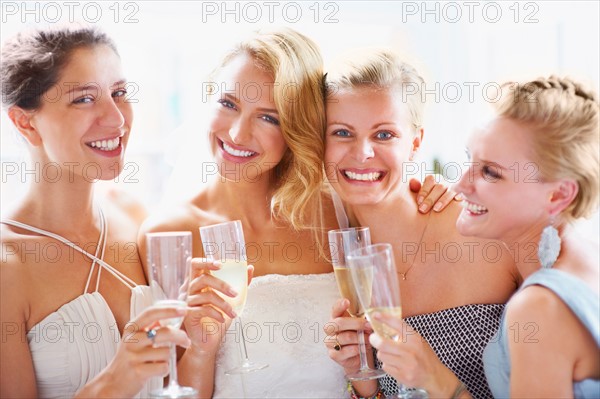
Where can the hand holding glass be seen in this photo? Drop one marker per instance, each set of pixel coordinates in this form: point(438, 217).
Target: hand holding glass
point(376, 280)
point(225, 242)
point(170, 259)
point(341, 243)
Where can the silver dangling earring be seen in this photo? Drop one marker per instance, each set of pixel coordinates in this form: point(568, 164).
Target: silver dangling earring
point(549, 246)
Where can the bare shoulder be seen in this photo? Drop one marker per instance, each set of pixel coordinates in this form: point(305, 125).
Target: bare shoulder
point(445, 220)
point(14, 272)
point(536, 315)
point(537, 304)
point(17, 248)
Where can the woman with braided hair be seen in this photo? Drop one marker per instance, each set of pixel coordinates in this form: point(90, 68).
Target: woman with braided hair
point(535, 169)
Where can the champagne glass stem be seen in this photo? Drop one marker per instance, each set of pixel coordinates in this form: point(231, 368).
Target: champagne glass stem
point(243, 343)
point(173, 384)
point(362, 351)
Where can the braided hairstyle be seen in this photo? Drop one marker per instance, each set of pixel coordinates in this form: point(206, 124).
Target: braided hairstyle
point(565, 134)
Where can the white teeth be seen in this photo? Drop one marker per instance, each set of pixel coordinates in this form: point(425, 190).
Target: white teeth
point(373, 176)
point(237, 153)
point(106, 145)
point(474, 208)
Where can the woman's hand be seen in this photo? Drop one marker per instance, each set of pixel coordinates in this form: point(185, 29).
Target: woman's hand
point(342, 330)
point(139, 357)
point(411, 360)
point(209, 315)
point(342, 343)
point(433, 194)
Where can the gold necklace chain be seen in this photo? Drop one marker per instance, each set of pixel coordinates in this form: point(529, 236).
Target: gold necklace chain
point(418, 248)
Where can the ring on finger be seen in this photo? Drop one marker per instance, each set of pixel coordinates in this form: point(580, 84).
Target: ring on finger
point(151, 334)
point(337, 345)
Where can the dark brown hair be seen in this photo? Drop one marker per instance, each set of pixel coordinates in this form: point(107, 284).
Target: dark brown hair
point(33, 60)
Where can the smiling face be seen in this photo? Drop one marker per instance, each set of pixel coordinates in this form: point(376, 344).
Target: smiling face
point(245, 132)
point(84, 119)
point(505, 196)
point(369, 138)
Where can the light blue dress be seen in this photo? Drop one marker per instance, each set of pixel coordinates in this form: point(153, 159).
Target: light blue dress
point(582, 301)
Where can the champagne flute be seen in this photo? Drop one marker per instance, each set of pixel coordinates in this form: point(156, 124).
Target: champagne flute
point(170, 260)
point(374, 275)
point(341, 243)
point(225, 242)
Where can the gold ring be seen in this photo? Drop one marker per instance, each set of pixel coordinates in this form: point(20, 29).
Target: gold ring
point(337, 345)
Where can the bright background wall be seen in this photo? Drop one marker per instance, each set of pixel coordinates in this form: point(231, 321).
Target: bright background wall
point(168, 48)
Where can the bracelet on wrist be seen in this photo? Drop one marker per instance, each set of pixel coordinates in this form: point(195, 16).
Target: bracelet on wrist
point(353, 395)
point(460, 388)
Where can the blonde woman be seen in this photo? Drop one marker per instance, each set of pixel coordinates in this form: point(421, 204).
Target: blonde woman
point(535, 171)
point(265, 133)
point(453, 288)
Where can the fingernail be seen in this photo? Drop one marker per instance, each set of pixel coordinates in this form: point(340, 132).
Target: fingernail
point(368, 326)
point(423, 207)
point(188, 343)
point(459, 197)
point(217, 264)
point(420, 199)
point(232, 292)
point(232, 314)
point(437, 207)
point(181, 311)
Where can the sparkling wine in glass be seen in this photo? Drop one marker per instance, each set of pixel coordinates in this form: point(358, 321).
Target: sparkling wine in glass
point(225, 242)
point(376, 281)
point(342, 242)
point(170, 260)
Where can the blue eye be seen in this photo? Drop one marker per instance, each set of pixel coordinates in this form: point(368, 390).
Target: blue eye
point(384, 135)
point(226, 103)
point(342, 133)
point(270, 119)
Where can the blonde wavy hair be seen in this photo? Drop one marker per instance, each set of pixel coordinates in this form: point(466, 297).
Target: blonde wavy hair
point(565, 139)
point(296, 65)
point(382, 69)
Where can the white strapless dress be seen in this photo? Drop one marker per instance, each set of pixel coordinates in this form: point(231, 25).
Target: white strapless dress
point(283, 322)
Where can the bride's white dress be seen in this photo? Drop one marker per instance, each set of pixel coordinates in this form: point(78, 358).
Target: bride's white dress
point(283, 323)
